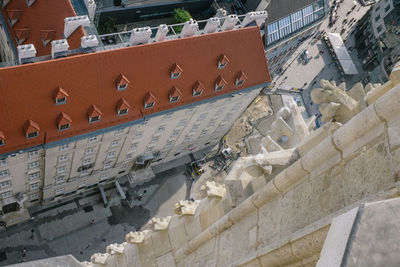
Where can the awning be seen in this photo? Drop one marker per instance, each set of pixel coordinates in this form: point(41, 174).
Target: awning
point(342, 55)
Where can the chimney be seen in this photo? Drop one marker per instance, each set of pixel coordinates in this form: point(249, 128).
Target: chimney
point(212, 25)
point(161, 33)
point(258, 16)
point(91, 7)
point(140, 36)
point(89, 42)
point(72, 23)
point(30, 2)
point(59, 48)
point(230, 22)
point(189, 29)
point(26, 53)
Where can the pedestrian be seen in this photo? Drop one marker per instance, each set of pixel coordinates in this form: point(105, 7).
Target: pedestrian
point(92, 222)
point(32, 232)
point(23, 252)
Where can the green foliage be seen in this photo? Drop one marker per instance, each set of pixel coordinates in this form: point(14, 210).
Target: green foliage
point(180, 16)
point(108, 26)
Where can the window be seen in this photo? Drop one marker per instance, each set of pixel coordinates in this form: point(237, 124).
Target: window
point(34, 196)
point(169, 143)
point(133, 146)
point(6, 194)
point(138, 134)
point(168, 115)
point(3, 162)
point(115, 143)
point(84, 172)
point(161, 128)
point(34, 175)
point(94, 118)
point(59, 180)
point(387, 8)
point(175, 133)
point(59, 191)
point(32, 134)
point(5, 184)
point(177, 153)
point(82, 183)
point(34, 186)
point(182, 122)
point(103, 177)
point(107, 165)
point(149, 149)
point(273, 33)
point(173, 99)
point(122, 82)
point(297, 20)
point(379, 29)
point(64, 147)
point(64, 127)
point(61, 169)
point(129, 156)
point(175, 71)
point(34, 153)
point(111, 154)
point(4, 173)
point(62, 158)
point(284, 26)
point(87, 161)
point(175, 75)
point(61, 100)
point(89, 150)
point(122, 111)
point(122, 87)
point(377, 17)
point(222, 61)
point(92, 139)
point(308, 13)
point(219, 83)
point(149, 105)
point(154, 139)
point(33, 165)
point(198, 88)
point(187, 139)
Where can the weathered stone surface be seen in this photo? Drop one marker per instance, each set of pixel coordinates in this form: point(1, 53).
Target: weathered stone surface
point(166, 260)
point(100, 258)
point(394, 131)
point(214, 189)
point(136, 237)
point(161, 244)
point(177, 232)
point(269, 222)
point(146, 252)
point(115, 249)
point(186, 207)
point(210, 215)
point(192, 226)
point(367, 173)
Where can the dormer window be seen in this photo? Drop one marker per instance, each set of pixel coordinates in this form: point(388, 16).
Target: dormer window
point(31, 129)
point(222, 61)
point(240, 78)
point(198, 88)
point(94, 113)
point(60, 96)
point(122, 82)
point(175, 71)
point(174, 95)
point(149, 100)
point(219, 83)
point(64, 121)
point(14, 15)
point(2, 138)
point(122, 107)
point(22, 35)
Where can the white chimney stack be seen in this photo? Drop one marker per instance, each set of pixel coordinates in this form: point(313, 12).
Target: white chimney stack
point(26, 53)
point(258, 16)
point(140, 36)
point(212, 25)
point(59, 48)
point(72, 23)
point(89, 41)
point(189, 28)
point(230, 22)
point(91, 7)
point(161, 32)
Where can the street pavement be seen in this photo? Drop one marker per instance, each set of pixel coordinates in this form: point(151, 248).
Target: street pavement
point(321, 66)
point(82, 227)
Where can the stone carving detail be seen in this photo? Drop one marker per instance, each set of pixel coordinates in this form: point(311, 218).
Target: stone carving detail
point(160, 223)
point(115, 248)
point(214, 189)
point(136, 237)
point(99, 258)
point(337, 104)
point(186, 207)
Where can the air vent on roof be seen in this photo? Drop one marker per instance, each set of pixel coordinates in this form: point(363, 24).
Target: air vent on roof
point(31, 129)
point(91, 7)
point(59, 48)
point(14, 15)
point(174, 94)
point(240, 78)
point(48, 36)
point(60, 96)
point(72, 23)
point(22, 35)
point(123, 107)
point(212, 25)
point(89, 42)
point(149, 100)
point(258, 16)
point(64, 121)
point(176, 71)
point(198, 88)
point(219, 83)
point(222, 61)
point(26, 53)
point(140, 36)
point(230, 22)
point(122, 82)
point(189, 28)
point(30, 2)
point(94, 113)
point(162, 31)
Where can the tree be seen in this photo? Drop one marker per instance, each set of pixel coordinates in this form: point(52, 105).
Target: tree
point(108, 26)
point(180, 16)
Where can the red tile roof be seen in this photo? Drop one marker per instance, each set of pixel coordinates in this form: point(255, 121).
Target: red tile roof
point(90, 79)
point(42, 16)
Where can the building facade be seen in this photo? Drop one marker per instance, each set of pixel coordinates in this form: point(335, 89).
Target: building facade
point(76, 123)
point(377, 38)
